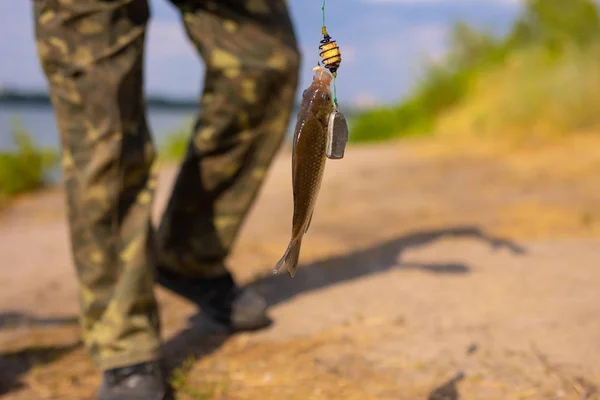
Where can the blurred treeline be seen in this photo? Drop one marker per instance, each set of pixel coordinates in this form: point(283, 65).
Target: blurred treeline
point(541, 79)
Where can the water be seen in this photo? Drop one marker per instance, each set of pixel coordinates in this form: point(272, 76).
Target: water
point(40, 123)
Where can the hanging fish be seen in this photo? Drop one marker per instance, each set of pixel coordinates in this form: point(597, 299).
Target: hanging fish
point(308, 161)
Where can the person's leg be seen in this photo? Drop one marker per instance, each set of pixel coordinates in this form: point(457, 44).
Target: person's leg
point(252, 65)
point(91, 52)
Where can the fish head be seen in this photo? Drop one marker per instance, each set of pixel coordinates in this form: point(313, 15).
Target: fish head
point(317, 98)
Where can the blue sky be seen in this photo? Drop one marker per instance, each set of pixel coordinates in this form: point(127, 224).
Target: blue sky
point(383, 42)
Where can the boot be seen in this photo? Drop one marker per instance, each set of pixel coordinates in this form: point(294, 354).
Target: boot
point(220, 299)
point(145, 381)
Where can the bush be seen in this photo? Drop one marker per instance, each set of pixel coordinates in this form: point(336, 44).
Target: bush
point(442, 85)
point(24, 169)
point(176, 143)
point(553, 34)
point(533, 96)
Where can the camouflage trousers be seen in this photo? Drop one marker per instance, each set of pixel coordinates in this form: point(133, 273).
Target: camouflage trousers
point(91, 52)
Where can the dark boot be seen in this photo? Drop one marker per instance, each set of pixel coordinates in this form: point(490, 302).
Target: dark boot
point(145, 381)
point(220, 299)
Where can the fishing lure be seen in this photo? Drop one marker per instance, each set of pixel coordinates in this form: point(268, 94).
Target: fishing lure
point(330, 52)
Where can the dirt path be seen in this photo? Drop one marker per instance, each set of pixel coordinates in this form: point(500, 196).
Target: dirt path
point(405, 290)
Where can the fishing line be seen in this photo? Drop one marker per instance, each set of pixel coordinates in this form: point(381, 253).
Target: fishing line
point(335, 101)
point(330, 53)
point(323, 29)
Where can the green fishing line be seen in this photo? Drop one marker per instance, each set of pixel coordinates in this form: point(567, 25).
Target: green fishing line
point(323, 29)
point(335, 101)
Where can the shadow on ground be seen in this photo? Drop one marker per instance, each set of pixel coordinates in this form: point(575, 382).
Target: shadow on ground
point(15, 364)
point(372, 260)
point(19, 319)
point(448, 390)
point(202, 337)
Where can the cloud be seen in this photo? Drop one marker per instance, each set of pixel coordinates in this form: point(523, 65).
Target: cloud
point(426, 39)
point(366, 99)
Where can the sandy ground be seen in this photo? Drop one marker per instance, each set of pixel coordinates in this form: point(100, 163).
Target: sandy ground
point(422, 277)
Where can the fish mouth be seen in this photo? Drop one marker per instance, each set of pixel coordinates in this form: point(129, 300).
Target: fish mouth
point(322, 75)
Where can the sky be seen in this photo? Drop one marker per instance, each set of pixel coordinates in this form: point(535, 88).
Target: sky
point(383, 42)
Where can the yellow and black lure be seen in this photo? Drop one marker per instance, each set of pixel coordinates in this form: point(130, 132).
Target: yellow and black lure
point(330, 52)
point(337, 130)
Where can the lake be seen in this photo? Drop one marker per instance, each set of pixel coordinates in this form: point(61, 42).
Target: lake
point(39, 121)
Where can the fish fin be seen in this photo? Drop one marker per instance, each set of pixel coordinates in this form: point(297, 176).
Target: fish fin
point(309, 221)
point(290, 258)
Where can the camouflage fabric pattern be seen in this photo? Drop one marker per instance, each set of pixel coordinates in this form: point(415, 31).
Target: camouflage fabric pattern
point(91, 52)
point(252, 66)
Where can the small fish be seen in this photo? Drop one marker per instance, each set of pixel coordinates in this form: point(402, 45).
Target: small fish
point(308, 161)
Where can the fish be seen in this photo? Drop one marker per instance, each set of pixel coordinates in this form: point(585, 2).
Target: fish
point(308, 161)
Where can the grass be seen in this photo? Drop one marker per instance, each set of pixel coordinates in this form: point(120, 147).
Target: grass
point(25, 169)
point(374, 126)
point(180, 382)
point(415, 117)
point(532, 98)
point(175, 145)
point(542, 77)
point(441, 86)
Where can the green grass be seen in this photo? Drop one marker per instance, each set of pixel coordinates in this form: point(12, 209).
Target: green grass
point(25, 169)
point(175, 144)
point(415, 117)
point(186, 387)
point(554, 44)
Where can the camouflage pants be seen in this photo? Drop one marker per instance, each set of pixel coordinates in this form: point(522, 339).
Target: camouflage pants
point(91, 52)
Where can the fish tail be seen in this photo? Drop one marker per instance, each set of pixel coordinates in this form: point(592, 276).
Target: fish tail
point(290, 257)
